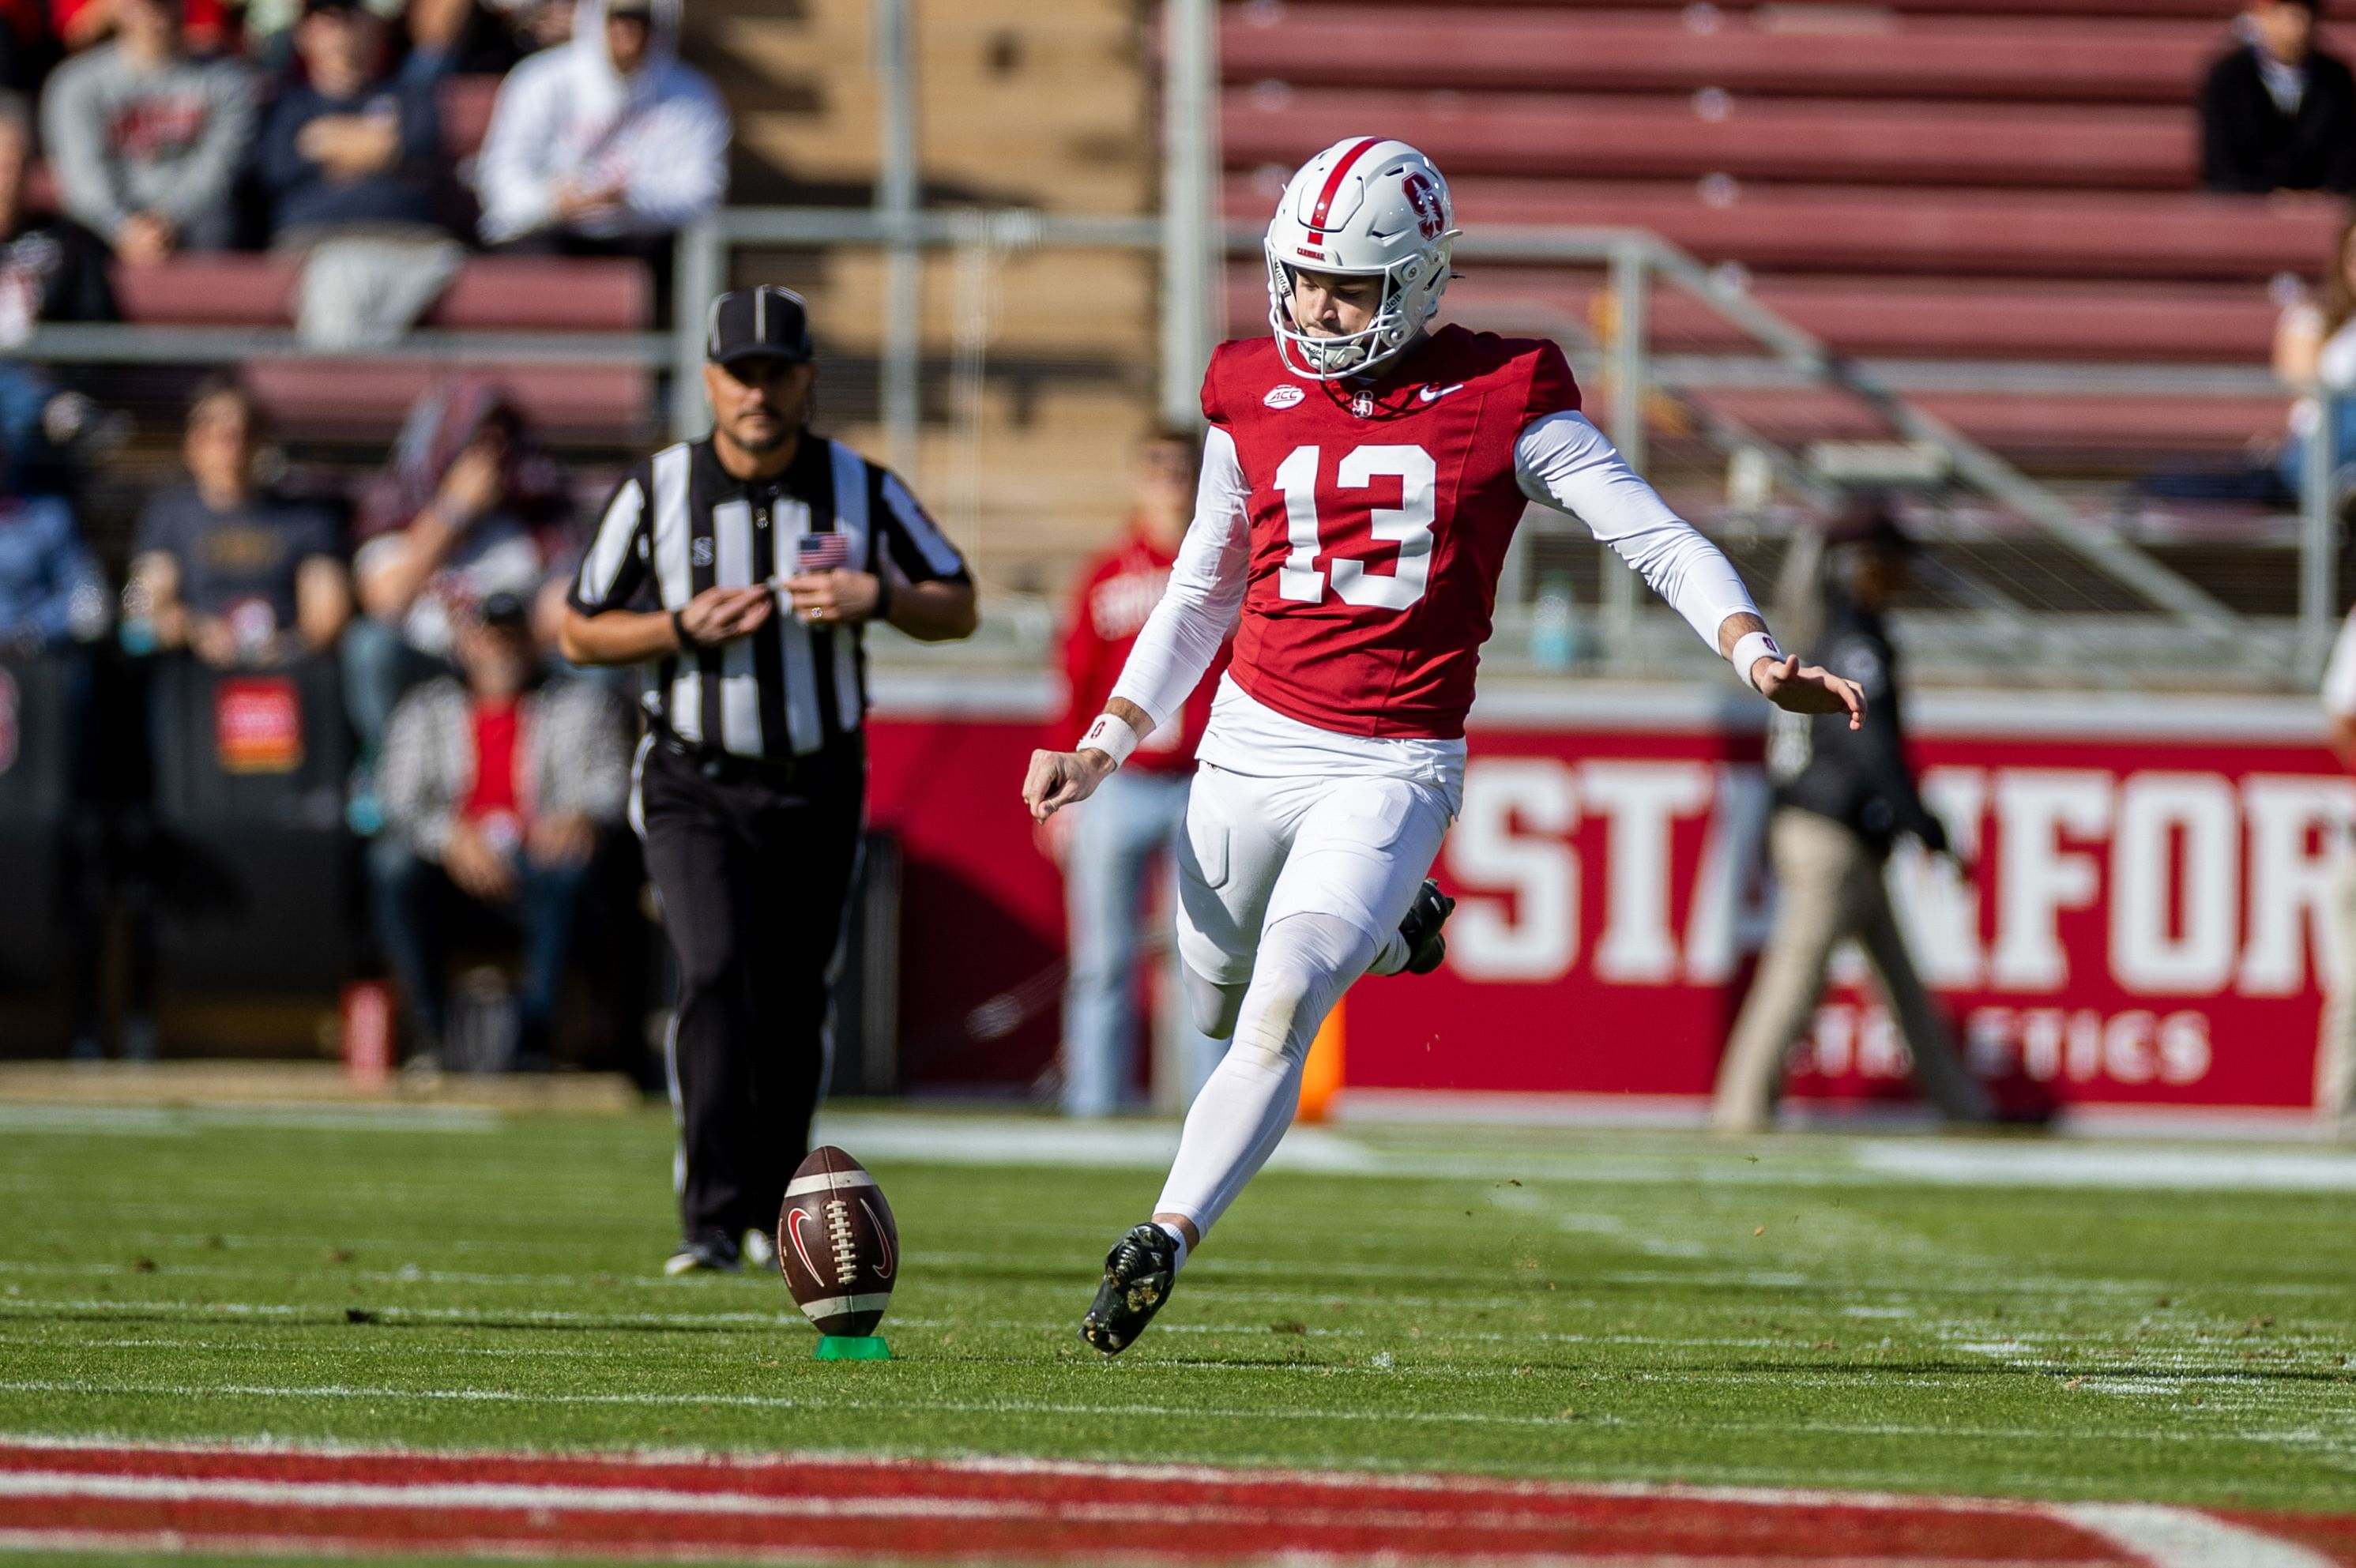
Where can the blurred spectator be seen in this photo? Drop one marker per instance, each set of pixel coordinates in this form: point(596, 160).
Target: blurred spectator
point(456, 517)
point(2335, 1056)
point(50, 269)
point(2278, 114)
point(232, 573)
point(349, 146)
point(266, 29)
point(1126, 833)
point(1841, 800)
point(351, 163)
point(2315, 350)
point(52, 593)
point(495, 788)
point(147, 139)
point(607, 145)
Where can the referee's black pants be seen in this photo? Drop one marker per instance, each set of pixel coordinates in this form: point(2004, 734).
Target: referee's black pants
point(754, 867)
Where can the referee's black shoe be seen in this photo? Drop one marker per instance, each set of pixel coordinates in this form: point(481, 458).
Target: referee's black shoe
point(1425, 946)
point(709, 1251)
point(1137, 1278)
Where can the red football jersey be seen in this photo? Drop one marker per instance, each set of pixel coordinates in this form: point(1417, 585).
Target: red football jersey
point(1379, 521)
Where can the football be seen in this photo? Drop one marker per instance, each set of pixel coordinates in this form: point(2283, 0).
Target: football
point(837, 1244)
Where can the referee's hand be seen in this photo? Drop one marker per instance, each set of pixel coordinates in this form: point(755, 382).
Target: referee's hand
point(720, 615)
point(838, 597)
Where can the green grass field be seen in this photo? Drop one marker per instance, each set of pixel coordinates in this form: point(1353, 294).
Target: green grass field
point(1888, 1313)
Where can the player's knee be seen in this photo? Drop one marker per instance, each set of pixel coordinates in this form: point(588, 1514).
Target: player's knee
point(1274, 1027)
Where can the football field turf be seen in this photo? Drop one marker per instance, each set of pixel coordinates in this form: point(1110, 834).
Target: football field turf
point(1994, 1318)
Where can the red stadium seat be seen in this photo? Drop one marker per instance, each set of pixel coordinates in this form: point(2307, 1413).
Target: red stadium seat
point(607, 404)
point(1983, 233)
point(1857, 52)
point(1653, 138)
point(2225, 323)
point(2035, 429)
point(510, 292)
point(466, 112)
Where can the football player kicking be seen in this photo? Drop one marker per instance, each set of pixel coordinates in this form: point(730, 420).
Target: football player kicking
point(1361, 477)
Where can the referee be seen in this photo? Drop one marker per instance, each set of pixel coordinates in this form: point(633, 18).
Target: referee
point(738, 571)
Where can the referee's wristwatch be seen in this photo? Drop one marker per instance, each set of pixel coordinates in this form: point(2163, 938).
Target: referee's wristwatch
point(687, 641)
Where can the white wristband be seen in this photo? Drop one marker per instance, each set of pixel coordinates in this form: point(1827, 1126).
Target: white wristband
point(1111, 736)
point(1752, 647)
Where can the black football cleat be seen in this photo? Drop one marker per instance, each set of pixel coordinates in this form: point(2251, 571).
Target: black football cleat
point(1425, 946)
point(1138, 1272)
point(714, 1251)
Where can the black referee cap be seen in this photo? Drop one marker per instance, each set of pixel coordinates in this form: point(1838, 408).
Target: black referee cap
point(766, 322)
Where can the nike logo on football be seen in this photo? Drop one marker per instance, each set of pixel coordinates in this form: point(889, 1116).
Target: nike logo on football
point(1433, 394)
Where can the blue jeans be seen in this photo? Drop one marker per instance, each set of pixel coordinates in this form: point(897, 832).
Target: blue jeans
point(2291, 468)
point(1128, 827)
point(414, 898)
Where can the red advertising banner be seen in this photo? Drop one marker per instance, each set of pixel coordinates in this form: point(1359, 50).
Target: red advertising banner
point(2146, 922)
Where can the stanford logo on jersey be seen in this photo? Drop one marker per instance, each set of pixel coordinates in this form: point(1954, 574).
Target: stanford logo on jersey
point(1284, 397)
point(1363, 405)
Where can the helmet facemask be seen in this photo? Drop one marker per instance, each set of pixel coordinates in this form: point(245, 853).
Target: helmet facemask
point(1410, 298)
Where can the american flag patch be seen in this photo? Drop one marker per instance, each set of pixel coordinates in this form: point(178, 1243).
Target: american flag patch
point(823, 552)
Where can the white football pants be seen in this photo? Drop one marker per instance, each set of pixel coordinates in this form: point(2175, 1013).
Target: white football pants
point(1288, 888)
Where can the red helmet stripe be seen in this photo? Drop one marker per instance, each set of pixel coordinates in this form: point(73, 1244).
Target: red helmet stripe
point(1334, 181)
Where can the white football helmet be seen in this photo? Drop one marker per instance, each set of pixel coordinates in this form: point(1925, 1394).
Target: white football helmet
point(1363, 204)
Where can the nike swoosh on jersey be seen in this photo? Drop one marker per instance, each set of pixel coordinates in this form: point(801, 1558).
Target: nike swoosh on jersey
point(1433, 394)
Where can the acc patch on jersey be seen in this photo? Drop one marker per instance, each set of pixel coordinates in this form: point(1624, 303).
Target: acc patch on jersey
point(1284, 397)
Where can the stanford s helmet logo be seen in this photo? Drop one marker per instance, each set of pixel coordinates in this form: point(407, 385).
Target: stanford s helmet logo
point(1430, 219)
point(1284, 397)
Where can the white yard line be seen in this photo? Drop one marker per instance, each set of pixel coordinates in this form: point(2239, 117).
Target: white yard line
point(2182, 1538)
point(291, 1117)
point(1953, 1162)
point(1259, 1415)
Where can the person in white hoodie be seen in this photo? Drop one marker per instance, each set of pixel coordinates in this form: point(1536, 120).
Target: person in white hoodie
point(606, 144)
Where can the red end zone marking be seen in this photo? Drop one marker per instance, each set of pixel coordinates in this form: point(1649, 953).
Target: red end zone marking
point(377, 1500)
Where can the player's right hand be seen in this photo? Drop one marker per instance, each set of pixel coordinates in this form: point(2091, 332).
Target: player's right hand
point(1058, 779)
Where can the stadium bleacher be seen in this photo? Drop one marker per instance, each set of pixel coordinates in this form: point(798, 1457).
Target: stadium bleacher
point(1935, 179)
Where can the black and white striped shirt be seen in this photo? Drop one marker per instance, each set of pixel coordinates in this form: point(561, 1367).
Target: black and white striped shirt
point(679, 524)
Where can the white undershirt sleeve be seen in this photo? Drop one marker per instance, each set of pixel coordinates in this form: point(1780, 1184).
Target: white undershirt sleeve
point(1205, 593)
point(1564, 462)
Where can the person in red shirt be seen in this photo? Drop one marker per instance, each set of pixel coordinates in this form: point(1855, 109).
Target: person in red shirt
point(497, 788)
point(1109, 851)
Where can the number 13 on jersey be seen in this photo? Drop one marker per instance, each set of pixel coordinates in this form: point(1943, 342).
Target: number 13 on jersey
point(1407, 525)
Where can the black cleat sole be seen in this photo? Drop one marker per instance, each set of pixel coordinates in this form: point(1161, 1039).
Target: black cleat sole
point(1137, 1279)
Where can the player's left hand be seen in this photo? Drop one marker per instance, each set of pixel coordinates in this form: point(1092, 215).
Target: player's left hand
point(1808, 689)
point(839, 597)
